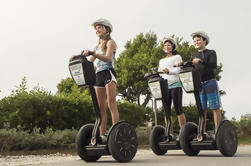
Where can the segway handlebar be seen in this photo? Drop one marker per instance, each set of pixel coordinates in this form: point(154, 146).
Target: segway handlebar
point(184, 64)
point(155, 74)
point(81, 55)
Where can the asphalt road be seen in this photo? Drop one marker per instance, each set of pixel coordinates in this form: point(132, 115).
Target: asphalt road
point(172, 157)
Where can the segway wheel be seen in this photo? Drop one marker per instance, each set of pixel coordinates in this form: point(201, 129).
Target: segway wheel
point(84, 138)
point(157, 135)
point(187, 134)
point(123, 142)
point(226, 139)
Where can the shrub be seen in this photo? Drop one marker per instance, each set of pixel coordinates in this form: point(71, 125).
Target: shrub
point(19, 139)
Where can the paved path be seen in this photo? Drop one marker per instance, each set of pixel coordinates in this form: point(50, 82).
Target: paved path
point(142, 158)
point(175, 157)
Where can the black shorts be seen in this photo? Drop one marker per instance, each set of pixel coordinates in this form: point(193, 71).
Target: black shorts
point(105, 77)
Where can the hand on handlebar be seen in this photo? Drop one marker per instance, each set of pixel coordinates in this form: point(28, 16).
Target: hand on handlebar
point(196, 61)
point(71, 58)
point(178, 64)
point(166, 70)
point(147, 74)
point(87, 53)
point(83, 53)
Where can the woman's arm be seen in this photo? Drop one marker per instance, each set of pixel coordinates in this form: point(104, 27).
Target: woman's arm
point(111, 47)
point(92, 58)
point(175, 70)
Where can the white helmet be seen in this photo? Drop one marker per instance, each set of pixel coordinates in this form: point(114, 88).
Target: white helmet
point(104, 22)
point(202, 34)
point(171, 40)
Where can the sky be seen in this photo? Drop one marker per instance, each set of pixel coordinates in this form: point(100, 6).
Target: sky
point(37, 37)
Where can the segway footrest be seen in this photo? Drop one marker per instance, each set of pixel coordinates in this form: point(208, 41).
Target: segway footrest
point(170, 145)
point(204, 145)
point(97, 150)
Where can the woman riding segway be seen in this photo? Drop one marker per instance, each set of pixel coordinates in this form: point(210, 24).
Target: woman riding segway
point(92, 140)
point(171, 90)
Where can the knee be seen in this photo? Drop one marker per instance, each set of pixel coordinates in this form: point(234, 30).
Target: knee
point(111, 102)
point(179, 112)
point(217, 110)
point(102, 111)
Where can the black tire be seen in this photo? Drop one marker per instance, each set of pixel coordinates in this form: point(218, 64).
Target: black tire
point(84, 138)
point(157, 135)
point(187, 134)
point(123, 142)
point(226, 139)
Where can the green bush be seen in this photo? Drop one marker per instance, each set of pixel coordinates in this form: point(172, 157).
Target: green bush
point(190, 112)
point(20, 139)
point(44, 110)
point(143, 134)
point(132, 113)
point(12, 139)
point(243, 128)
point(70, 108)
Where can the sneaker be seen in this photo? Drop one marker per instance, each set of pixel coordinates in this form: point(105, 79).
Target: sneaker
point(209, 136)
point(204, 136)
point(104, 139)
point(174, 136)
point(199, 138)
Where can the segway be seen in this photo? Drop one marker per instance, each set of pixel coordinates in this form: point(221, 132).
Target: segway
point(121, 141)
point(160, 139)
point(192, 137)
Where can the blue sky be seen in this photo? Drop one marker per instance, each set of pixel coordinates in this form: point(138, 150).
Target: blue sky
point(37, 37)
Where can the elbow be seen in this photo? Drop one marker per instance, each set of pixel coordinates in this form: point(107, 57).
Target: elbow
point(107, 59)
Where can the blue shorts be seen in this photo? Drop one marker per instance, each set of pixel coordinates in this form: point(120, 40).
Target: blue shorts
point(210, 93)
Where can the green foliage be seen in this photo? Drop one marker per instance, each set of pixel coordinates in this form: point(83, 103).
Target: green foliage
point(45, 110)
point(243, 129)
point(41, 109)
point(70, 108)
point(66, 86)
point(20, 139)
point(185, 49)
point(130, 112)
point(143, 134)
point(138, 57)
point(191, 114)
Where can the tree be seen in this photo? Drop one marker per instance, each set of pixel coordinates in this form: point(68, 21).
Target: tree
point(139, 56)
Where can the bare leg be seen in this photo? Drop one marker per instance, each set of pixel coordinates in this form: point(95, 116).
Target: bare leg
point(101, 96)
point(171, 125)
point(181, 119)
point(217, 117)
point(205, 123)
point(111, 98)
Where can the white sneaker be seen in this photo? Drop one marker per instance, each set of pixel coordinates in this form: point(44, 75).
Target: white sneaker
point(104, 139)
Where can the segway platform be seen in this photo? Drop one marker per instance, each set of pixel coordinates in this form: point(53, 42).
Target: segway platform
point(160, 139)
